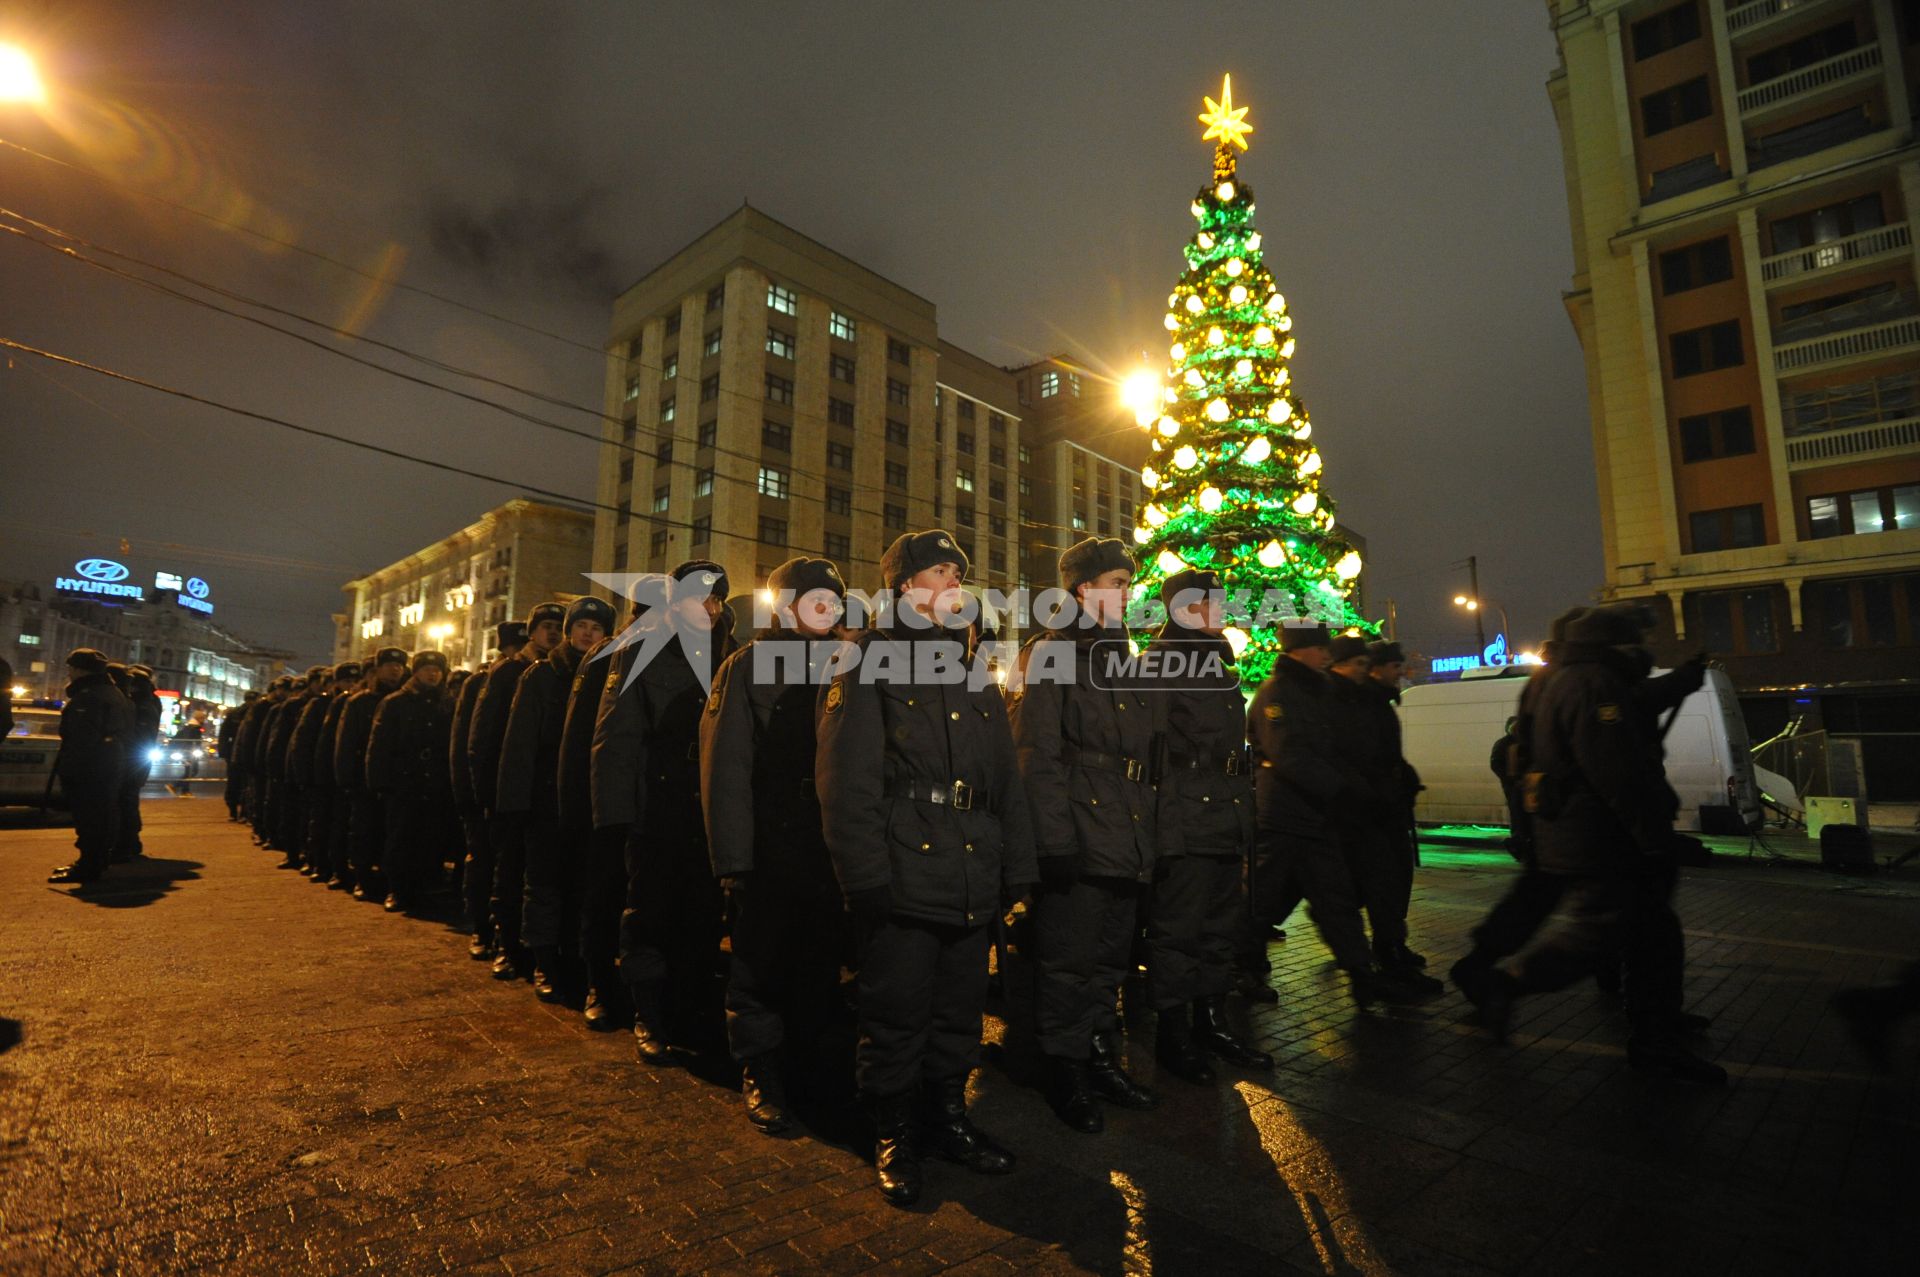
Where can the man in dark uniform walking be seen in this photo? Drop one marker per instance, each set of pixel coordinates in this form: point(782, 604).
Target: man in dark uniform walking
point(1206, 828)
point(146, 734)
point(646, 774)
point(928, 825)
point(95, 724)
point(476, 877)
point(528, 788)
point(763, 834)
point(366, 834)
point(1087, 739)
point(506, 831)
point(406, 770)
point(226, 747)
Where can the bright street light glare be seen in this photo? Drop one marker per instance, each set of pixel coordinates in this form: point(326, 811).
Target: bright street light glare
point(1141, 392)
point(1459, 600)
point(19, 78)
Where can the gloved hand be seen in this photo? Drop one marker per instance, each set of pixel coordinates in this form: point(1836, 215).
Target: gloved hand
point(870, 908)
point(1060, 872)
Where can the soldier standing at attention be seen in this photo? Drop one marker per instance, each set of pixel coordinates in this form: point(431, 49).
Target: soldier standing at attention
point(253, 750)
point(316, 806)
point(95, 722)
point(529, 787)
point(763, 834)
point(506, 831)
point(330, 857)
point(407, 772)
point(225, 747)
point(476, 877)
point(365, 830)
point(1087, 741)
point(1207, 822)
point(146, 734)
point(928, 826)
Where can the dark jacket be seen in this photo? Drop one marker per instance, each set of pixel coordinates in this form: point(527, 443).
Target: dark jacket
point(575, 773)
point(756, 764)
point(1298, 780)
point(350, 742)
point(262, 731)
point(230, 731)
point(1366, 740)
point(528, 778)
point(95, 725)
point(280, 728)
point(489, 726)
point(1596, 784)
point(320, 775)
point(885, 747)
point(457, 767)
point(1206, 786)
point(407, 746)
point(1087, 754)
point(305, 740)
point(646, 740)
point(146, 719)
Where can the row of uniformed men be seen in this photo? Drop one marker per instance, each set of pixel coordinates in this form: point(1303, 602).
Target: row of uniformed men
point(616, 820)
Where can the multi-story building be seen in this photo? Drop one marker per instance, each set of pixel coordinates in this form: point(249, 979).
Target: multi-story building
point(451, 594)
point(37, 630)
point(1742, 180)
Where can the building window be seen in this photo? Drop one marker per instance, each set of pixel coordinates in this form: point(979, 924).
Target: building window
point(840, 368)
point(839, 546)
point(839, 500)
point(1049, 384)
point(1734, 528)
point(1025, 456)
point(840, 412)
point(710, 388)
point(896, 474)
point(996, 489)
point(657, 543)
point(782, 300)
point(660, 496)
point(706, 433)
point(1870, 510)
point(715, 296)
point(1706, 349)
point(997, 454)
point(773, 483)
point(1821, 225)
point(841, 326)
point(776, 434)
point(772, 531)
point(1126, 508)
point(997, 524)
point(840, 456)
point(1866, 612)
point(1816, 46)
point(1670, 108)
point(897, 432)
point(1735, 622)
point(633, 389)
point(673, 324)
point(703, 482)
point(779, 389)
point(1857, 403)
point(967, 410)
point(996, 424)
point(898, 351)
point(1717, 434)
point(626, 471)
point(1696, 265)
point(964, 514)
point(779, 343)
point(670, 369)
point(963, 440)
point(666, 410)
point(664, 453)
point(712, 346)
point(897, 392)
point(1079, 520)
point(1026, 486)
point(963, 479)
point(894, 516)
point(1665, 30)
point(702, 530)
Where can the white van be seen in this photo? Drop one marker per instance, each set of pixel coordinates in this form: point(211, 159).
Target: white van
point(1450, 730)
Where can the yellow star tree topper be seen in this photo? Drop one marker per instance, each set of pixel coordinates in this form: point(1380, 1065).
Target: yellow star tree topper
point(1223, 120)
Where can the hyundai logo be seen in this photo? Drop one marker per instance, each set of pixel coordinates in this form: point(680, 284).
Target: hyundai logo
point(101, 570)
point(197, 587)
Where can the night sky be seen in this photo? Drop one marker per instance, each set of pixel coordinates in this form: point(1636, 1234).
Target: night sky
point(1025, 166)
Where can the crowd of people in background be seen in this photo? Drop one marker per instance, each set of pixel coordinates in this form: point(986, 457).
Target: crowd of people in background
point(697, 847)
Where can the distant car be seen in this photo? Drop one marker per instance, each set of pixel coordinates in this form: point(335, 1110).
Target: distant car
point(176, 761)
point(26, 759)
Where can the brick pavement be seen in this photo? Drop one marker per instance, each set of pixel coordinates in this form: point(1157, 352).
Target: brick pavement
point(225, 1068)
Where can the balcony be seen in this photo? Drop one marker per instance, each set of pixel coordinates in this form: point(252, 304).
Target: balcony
point(1801, 140)
point(1829, 256)
point(1796, 88)
point(1745, 21)
point(1854, 343)
point(1856, 443)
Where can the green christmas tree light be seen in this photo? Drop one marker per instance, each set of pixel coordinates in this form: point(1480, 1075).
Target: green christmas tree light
point(1234, 481)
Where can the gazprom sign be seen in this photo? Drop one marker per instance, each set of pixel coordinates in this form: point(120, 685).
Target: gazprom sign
point(102, 578)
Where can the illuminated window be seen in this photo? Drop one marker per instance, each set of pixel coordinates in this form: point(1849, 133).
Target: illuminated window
point(841, 326)
point(773, 482)
point(781, 300)
point(779, 343)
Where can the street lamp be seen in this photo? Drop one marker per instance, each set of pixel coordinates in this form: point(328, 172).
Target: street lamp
point(1473, 605)
point(1143, 392)
point(19, 79)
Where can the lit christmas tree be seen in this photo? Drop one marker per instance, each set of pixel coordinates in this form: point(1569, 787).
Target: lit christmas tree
point(1234, 480)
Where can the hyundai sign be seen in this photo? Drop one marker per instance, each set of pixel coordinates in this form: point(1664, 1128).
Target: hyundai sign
point(189, 592)
point(102, 578)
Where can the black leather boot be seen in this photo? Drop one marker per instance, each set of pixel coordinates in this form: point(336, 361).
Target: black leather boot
point(649, 1042)
point(1217, 1036)
point(606, 1008)
point(1111, 1082)
point(1071, 1095)
point(952, 1134)
point(765, 1091)
point(546, 972)
point(1176, 1050)
point(896, 1165)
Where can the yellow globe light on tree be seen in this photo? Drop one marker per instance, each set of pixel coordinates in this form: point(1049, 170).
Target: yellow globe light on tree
point(1258, 451)
point(1311, 465)
point(1210, 499)
point(1186, 458)
point(1169, 427)
point(1349, 566)
point(1169, 563)
point(1273, 555)
point(1217, 410)
point(1278, 411)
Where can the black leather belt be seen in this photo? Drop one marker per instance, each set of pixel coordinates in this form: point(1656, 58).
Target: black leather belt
point(958, 794)
point(1132, 768)
point(1234, 764)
